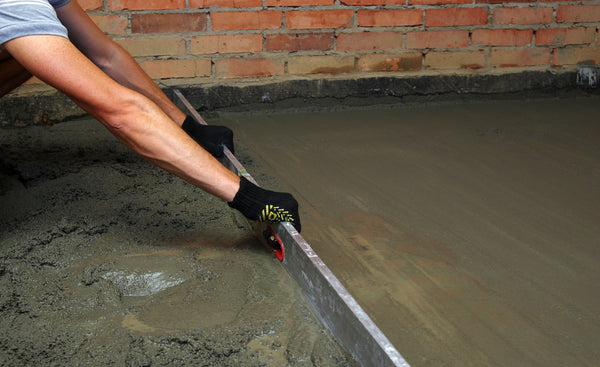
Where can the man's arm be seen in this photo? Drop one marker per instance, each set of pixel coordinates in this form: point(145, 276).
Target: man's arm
point(112, 58)
point(120, 66)
point(131, 117)
point(143, 127)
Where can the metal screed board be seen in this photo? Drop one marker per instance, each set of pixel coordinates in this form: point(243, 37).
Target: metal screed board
point(330, 301)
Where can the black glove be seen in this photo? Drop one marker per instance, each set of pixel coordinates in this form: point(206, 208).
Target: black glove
point(266, 206)
point(212, 138)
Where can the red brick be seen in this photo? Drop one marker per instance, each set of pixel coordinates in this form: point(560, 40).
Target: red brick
point(90, 4)
point(145, 4)
point(455, 60)
point(520, 57)
point(372, 2)
point(522, 15)
point(318, 19)
point(198, 4)
point(455, 17)
point(578, 13)
point(321, 65)
point(409, 61)
point(438, 2)
point(437, 39)
point(174, 68)
point(505, 1)
point(112, 24)
point(168, 23)
point(564, 36)
point(369, 41)
point(502, 37)
point(299, 42)
point(246, 68)
point(243, 20)
point(153, 46)
point(226, 43)
point(299, 2)
point(389, 18)
point(576, 55)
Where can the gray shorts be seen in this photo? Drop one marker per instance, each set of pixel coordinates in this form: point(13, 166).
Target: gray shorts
point(20, 18)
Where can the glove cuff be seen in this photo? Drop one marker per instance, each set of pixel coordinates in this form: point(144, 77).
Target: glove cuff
point(246, 200)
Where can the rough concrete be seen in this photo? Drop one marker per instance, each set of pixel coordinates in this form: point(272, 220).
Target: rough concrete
point(107, 260)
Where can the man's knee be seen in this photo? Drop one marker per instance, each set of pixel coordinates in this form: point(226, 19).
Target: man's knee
point(12, 74)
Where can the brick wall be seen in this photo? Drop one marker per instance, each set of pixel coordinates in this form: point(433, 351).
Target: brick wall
point(216, 40)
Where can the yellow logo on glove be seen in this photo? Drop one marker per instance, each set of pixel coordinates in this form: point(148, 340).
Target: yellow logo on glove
point(274, 214)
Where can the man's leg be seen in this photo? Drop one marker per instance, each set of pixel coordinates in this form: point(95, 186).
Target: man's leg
point(12, 74)
point(134, 119)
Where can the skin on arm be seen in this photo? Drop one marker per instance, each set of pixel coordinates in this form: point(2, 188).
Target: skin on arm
point(134, 119)
point(112, 58)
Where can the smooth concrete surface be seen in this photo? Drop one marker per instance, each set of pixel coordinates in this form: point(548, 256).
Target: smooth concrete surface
point(469, 232)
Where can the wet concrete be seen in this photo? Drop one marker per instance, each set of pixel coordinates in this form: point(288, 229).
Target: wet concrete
point(107, 260)
point(469, 232)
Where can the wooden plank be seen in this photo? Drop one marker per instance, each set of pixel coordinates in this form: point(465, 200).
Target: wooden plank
point(330, 301)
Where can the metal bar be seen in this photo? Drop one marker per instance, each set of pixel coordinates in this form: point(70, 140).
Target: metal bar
point(330, 301)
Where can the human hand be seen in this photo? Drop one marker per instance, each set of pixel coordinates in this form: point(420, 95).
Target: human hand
point(210, 137)
point(256, 203)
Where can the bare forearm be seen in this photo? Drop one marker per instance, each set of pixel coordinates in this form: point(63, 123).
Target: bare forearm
point(127, 72)
point(150, 133)
point(112, 58)
point(130, 116)
point(144, 127)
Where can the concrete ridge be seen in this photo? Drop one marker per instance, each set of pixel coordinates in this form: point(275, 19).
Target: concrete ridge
point(49, 108)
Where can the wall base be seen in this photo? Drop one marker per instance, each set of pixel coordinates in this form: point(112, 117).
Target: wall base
point(22, 109)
